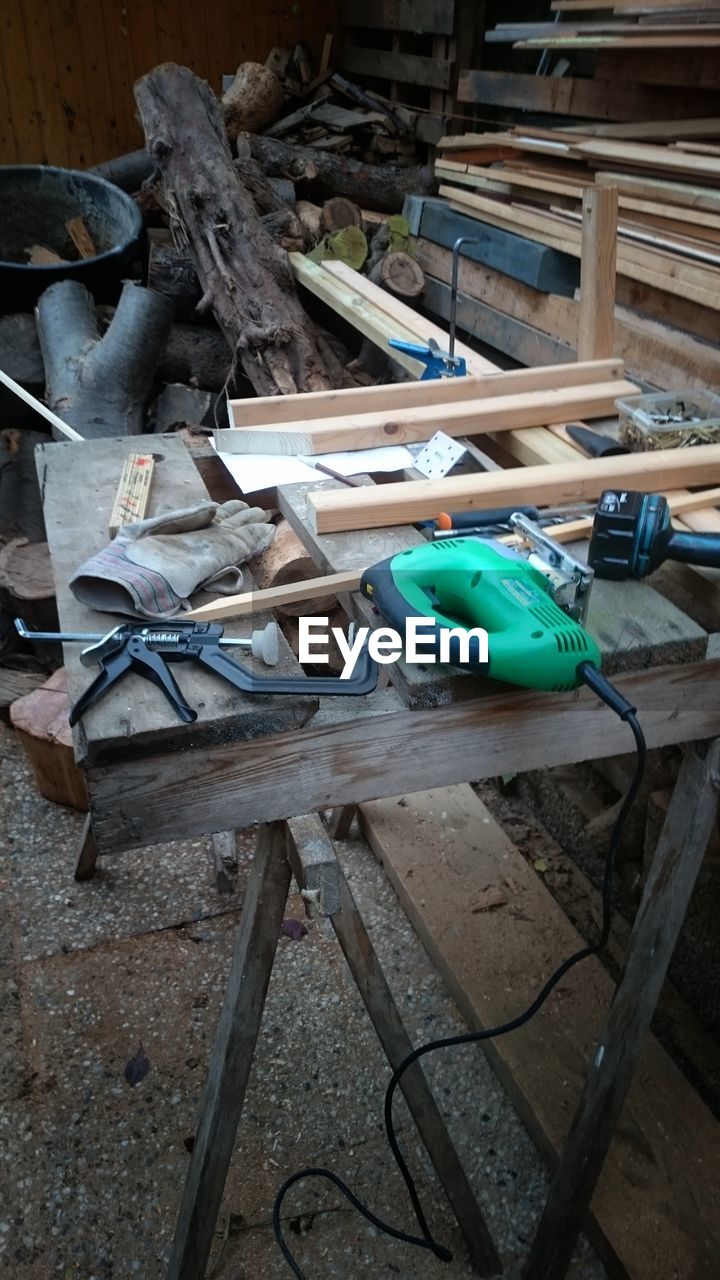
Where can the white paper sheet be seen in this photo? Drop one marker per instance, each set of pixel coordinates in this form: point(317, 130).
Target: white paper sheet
point(253, 471)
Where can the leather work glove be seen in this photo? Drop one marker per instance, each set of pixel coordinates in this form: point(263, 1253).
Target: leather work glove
point(153, 566)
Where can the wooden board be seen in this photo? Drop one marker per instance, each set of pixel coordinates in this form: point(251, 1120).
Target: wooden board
point(407, 68)
point(375, 314)
point(698, 67)
point(596, 317)
point(360, 752)
point(634, 6)
point(626, 43)
point(408, 426)
point(441, 851)
point(135, 718)
point(403, 314)
point(567, 482)
point(504, 249)
point(273, 410)
point(647, 156)
point(252, 602)
point(573, 96)
point(434, 16)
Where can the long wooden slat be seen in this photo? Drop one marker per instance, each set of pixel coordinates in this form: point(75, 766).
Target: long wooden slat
point(618, 6)
point(574, 96)
point(409, 426)
point(666, 205)
point(668, 193)
point(356, 756)
point(405, 315)
point(493, 962)
point(648, 266)
point(364, 311)
point(247, 602)
point(647, 156)
point(629, 43)
point(407, 68)
point(271, 410)
point(433, 16)
point(566, 482)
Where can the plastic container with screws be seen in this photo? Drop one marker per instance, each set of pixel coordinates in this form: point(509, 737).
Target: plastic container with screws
point(667, 420)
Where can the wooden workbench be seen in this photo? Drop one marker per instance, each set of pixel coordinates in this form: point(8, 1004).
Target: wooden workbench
point(270, 759)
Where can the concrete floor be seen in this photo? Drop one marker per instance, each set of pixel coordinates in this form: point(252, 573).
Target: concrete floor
point(92, 1167)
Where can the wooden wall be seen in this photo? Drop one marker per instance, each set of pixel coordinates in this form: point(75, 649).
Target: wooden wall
point(67, 67)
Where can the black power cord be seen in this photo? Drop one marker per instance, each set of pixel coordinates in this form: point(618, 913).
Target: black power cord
point(594, 679)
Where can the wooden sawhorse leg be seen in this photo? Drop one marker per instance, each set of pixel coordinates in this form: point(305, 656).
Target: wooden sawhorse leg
point(232, 1055)
point(303, 844)
point(674, 870)
point(87, 854)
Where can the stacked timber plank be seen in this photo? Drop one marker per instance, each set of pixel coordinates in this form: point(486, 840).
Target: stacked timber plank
point(527, 185)
point(629, 27)
point(619, 64)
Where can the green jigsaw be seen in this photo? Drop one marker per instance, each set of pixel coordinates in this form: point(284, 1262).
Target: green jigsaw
point(468, 583)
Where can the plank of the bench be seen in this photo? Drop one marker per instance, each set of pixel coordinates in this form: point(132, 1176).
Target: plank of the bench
point(353, 753)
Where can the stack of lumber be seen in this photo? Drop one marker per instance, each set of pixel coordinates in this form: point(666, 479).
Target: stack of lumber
point(630, 26)
point(607, 63)
point(529, 183)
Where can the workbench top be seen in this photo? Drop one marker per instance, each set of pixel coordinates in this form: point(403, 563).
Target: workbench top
point(636, 627)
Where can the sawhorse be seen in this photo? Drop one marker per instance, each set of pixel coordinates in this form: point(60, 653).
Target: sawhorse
point(302, 847)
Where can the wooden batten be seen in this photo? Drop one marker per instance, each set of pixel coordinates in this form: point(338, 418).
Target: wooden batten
point(410, 426)
point(566, 482)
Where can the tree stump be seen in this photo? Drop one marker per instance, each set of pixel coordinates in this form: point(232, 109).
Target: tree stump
point(27, 589)
point(41, 722)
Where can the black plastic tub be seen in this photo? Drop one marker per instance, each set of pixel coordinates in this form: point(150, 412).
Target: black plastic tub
point(36, 201)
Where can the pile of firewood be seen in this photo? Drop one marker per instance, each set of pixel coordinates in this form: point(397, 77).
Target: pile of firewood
point(219, 309)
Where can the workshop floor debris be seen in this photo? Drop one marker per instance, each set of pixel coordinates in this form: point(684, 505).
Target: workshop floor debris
point(110, 995)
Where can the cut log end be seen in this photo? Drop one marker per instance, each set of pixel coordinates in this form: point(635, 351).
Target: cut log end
point(338, 213)
point(400, 275)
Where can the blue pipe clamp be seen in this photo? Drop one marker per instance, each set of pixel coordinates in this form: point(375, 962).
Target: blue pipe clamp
point(438, 363)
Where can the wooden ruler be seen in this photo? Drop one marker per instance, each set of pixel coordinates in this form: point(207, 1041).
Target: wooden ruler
point(133, 491)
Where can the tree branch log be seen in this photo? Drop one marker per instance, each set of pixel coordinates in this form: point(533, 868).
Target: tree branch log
point(99, 385)
point(245, 277)
point(382, 187)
